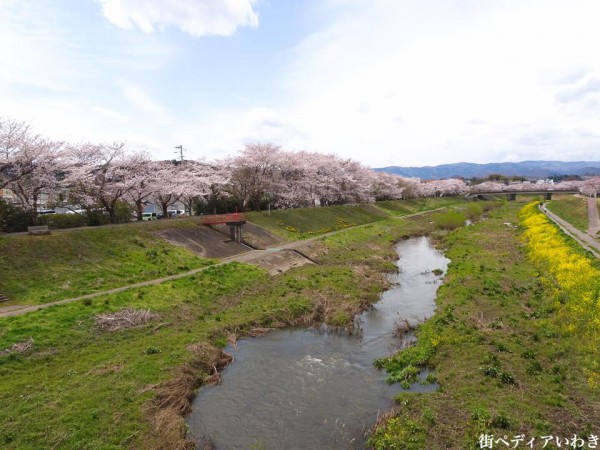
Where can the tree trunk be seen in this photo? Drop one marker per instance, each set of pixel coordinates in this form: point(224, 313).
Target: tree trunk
point(140, 210)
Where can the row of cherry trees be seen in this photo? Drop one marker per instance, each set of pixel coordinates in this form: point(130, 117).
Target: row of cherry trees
point(91, 176)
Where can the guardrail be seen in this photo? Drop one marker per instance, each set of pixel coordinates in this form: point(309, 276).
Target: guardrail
point(216, 219)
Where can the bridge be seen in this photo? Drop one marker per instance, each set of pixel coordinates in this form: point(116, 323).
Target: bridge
point(512, 194)
point(234, 221)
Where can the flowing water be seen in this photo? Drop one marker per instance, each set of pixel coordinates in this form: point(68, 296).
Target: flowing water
point(310, 389)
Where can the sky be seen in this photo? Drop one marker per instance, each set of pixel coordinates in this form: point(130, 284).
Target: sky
point(385, 82)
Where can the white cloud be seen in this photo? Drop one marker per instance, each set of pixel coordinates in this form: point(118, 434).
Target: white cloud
point(111, 114)
point(141, 100)
point(401, 82)
point(195, 17)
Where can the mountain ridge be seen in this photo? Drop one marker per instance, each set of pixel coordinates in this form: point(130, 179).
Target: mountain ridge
point(532, 169)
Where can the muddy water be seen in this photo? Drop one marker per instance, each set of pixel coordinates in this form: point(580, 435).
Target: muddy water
point(309, 389)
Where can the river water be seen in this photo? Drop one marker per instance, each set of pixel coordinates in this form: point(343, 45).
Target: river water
point(310, 389)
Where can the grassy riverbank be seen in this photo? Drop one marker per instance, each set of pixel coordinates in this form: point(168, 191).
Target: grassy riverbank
point(41, 269)
point(302, 223)
point(572, 209)
point(504, 362)
point(80, 386)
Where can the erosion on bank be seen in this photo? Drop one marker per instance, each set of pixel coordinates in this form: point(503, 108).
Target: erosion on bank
point(504, 360)
point(79, 386)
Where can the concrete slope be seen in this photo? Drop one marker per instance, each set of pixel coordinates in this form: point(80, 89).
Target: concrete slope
point(204, 241)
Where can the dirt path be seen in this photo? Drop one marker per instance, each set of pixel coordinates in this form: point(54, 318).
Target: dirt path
point(593, 218)
point(585, 240)
point(249, 257)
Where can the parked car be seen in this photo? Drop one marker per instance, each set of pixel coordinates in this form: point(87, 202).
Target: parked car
point(149, 216)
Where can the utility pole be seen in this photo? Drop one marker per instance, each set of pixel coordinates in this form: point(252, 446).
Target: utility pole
point(180, 151)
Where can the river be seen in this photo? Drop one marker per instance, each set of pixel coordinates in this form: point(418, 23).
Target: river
point(312, 389)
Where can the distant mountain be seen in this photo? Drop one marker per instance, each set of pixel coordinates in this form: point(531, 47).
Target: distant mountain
point(533, 169)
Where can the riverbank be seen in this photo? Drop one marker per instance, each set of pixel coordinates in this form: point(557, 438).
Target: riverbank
point(504, 363)
point(71, 383)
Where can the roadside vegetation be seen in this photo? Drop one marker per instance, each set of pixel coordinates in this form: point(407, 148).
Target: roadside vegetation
point(571, 209)
point(505, 344)
point(41, 269)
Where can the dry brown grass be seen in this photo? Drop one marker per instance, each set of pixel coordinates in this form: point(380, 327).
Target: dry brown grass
point(124, 319)
point(173, 398)
point(19, 347)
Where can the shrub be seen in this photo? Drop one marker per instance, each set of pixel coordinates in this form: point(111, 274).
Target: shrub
point(474, 210)
point(96, 217)
point(12, 218)
point(60, 221)
point(449, 220)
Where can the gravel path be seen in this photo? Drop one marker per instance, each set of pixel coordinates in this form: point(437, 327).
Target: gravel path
point(585, 240)
point(593, 218)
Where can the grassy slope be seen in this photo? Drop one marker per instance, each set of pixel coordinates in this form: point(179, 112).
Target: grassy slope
point(572, 209)
point(40, 269)
point(302, 223)
point(495, 317)
point(411, 206)
point(82, 388)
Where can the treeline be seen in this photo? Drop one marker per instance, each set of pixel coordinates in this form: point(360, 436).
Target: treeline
point(117, 181)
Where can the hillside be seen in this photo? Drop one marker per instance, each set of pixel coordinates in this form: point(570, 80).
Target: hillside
point(535, 169)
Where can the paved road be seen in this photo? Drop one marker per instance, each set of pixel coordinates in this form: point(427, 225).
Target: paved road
point(248, 257)
point(585, 240)
point(593, 218)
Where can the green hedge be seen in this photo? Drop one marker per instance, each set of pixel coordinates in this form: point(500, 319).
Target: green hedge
point(58, 221)
point(12, 218)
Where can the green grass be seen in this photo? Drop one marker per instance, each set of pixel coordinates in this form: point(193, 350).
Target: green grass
point(83, 388)
point(572, 209)
point(503, 365)
point(295, 224)
point(303, 223)
point(415, 205)
point(41, 269)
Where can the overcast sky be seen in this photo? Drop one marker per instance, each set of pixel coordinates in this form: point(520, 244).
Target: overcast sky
point(387, 82)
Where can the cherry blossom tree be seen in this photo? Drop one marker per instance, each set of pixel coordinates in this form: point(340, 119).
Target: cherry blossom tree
point(41, 178)
point(591, 187)
point(203, 180)
point(255, 173)
point(172, 180)
point(143, 185)
point(20, 151)
point(100, 175)
point(386, 186)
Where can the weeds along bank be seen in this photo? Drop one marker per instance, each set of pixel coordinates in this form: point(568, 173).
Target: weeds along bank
point(513, 344)
point(573, 279)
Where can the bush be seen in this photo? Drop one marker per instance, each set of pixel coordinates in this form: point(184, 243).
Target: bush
point(449, 220)
point(12, 218)
point(60, 221)
point(96, 217)
point(474, 210)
